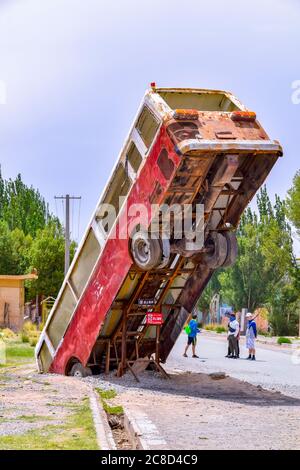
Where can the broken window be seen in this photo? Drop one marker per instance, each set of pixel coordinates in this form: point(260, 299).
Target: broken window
point(147, 126)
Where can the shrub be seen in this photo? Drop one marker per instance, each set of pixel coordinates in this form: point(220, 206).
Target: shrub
point(210, 327)
point(24, 337)
point(220, 329)
point(216, 328)
point(283, 340)
point(33, 342)
point(7, 334)
point(30, 333)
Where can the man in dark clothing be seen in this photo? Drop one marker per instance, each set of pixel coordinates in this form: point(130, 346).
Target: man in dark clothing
point(233, 334)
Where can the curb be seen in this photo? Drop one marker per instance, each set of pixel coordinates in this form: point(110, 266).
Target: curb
point(142, 433)
point(105, 438)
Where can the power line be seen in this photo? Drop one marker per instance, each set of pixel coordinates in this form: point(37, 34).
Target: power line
point(67, 199)
point(79, 215)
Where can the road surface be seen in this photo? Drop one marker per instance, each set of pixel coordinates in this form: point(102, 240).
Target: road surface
point(194, 411)
point(275, 368)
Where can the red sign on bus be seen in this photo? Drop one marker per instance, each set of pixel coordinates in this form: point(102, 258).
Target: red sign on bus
point(154, 318)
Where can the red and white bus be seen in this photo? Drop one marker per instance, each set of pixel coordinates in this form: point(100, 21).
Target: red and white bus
point(186, 147)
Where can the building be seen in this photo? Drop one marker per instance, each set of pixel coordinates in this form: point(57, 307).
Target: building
point(12, 300)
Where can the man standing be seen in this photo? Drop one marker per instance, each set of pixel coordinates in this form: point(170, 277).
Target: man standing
point(233, 334)
point(192, 330)
point(251, 335)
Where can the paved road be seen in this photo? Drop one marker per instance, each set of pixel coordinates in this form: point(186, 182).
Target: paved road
point(194, 411)
point(274, 369)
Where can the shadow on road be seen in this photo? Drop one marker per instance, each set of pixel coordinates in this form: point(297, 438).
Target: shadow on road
point(189, 384)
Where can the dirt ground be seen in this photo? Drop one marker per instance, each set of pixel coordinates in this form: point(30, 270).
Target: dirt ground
point(190, 411)
point(193, 411)
point(43, 411)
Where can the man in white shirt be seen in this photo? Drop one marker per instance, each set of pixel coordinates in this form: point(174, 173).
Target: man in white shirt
point(233, 333)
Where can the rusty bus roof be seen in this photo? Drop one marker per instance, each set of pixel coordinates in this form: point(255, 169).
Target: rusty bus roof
point(160, 91)
point(191, 90)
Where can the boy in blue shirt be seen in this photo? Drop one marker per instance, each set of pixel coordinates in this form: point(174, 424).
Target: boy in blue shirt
point(192, 336)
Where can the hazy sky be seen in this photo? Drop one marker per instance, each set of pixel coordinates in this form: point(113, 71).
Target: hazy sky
point(76, 70)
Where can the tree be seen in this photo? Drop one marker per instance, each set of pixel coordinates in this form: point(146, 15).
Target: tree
point(30, 237)
point(293, 202)
point(22, 207)
point(211, 289)
point(265, 272)
point(14, 246)
point(241, 284)
point(47, 254)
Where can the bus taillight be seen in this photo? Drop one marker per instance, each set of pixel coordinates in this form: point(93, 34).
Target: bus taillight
point(185, 114)
point(249, 116)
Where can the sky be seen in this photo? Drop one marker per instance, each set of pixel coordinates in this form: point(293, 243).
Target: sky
point(73, 73)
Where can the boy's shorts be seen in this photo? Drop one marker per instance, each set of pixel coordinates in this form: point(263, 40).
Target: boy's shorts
point(192, 340)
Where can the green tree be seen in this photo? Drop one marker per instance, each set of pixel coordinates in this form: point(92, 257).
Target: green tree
point(47, 254)
point(22, 207)
point(293, 202)
point(241, 284)
point(14, 246)
point(265, 272)
point(211, 289)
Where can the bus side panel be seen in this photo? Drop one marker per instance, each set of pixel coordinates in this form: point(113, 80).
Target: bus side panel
point(113, 265)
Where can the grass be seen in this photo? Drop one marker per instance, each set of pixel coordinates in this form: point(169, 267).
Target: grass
point(17, 353)
point(33, 418)
point(109, 395)
point(77, 433)
point(283, 340)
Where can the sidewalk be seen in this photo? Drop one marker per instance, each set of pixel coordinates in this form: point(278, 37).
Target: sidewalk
point(193, 411)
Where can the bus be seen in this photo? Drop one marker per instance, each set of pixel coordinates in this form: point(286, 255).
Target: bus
point(187, 148)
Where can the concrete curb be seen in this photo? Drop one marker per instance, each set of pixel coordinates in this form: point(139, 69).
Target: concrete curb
point(105, 438)
point(142, 432)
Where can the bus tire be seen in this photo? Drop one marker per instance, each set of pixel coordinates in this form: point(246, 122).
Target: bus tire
point(166, 252)
point(79, 371)
point(232, 249)
point(146, 251)
point(217, 247)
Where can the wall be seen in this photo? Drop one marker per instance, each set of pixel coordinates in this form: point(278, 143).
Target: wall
point(12, 292)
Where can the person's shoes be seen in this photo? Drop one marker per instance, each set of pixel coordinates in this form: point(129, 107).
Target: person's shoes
point(237, 356)
point(195, 356)
point(249, 357)
point(185, 355)
point(228, 356)
point(234, 357)
point(253, 358)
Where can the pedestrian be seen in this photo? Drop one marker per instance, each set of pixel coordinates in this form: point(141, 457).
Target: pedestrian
point(233, 334)
point(251, 335)
point(192, 331)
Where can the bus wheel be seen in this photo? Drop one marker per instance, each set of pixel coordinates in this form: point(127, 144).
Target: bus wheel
point(79, 371)
point(232, 248)
point(166, 252)
point(146, 252)
point(216, 250)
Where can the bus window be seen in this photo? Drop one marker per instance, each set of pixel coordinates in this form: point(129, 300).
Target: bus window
point(165, 164)
point(85, 263)
point(147, 126)
point(60, 320)
point(120, 187)
point(134, 157)
point(45, 357)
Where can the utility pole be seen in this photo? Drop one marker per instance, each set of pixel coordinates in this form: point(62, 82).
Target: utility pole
point(67, 198)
